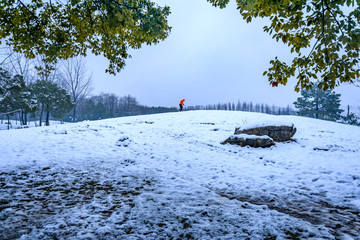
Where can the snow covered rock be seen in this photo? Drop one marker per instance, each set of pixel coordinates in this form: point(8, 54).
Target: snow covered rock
point(250, 140)
point(279, 132)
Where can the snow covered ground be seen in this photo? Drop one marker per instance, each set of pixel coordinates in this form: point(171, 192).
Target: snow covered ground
point(15, 124)
point(167, 176)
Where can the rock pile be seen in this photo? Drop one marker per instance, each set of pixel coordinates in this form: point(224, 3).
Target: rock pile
point(250, 140)
point(277, 133)
point(264, 135)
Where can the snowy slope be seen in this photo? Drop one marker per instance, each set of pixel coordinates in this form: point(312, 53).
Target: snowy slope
point(167, 176)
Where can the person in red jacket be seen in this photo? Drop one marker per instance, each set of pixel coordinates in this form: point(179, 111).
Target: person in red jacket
point(181, 104)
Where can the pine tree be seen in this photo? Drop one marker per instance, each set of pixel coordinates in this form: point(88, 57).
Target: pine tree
point(244, 107)
point(319, 104)
point(262, 108)
point(238, 106)
point(14, 96)
point(63, 104)
point(350, 118)
point(251, 107)
point(51, 99)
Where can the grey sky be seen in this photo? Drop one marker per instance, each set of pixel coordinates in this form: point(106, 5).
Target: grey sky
point(211, 56)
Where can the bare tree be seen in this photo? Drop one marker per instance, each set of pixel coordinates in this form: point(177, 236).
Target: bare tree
point(76, 80)
point(4, 56)
point(128, 105)
point(18, 64)
point(30, 69)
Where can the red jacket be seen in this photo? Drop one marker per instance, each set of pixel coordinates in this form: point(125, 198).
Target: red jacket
point(182, 102)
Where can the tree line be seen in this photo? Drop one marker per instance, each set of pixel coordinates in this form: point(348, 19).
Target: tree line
point(44, 100)
point(108, 105)
point(314, 103)
point(247, 107)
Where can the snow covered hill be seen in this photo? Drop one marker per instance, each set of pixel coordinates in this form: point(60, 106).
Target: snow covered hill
point(167, 176)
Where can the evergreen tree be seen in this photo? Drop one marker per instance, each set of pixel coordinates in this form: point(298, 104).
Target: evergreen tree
point(14, 96)
point(28, 104)
point(288, 110)
point(267, 109)
point(238, 106)
point(244, 107)
point(319, 104)
point(63, 105)
point(9, 88)
point(262, 108)
point(51, 99)
point(251, 107)
point(257, 107)
point(273, 109)
point(351, 119)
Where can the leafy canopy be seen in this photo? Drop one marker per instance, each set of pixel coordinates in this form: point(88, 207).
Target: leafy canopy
point(61, 29)
point(324, 35)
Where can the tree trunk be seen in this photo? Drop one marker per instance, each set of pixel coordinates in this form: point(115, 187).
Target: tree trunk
point(47, 121)
point(41, 114)
point(74, 113)
point(317, 106)
point(22, 117)
point(8, 121)
point(25, 119)
point(317, 103)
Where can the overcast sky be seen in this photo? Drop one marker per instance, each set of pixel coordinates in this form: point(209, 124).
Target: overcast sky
point(212, 55)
